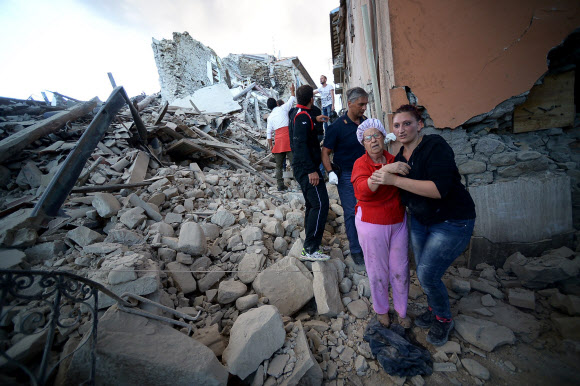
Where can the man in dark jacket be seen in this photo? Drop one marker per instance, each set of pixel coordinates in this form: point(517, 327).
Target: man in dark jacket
point(303, 127)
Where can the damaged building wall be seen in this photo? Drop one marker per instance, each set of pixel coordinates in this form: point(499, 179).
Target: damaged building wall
point(502, 143)
point(185, 65)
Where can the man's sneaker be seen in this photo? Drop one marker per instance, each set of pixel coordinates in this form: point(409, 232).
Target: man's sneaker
point(314, 256)
point(358, 258)
point(282, 188)
point(425, 320)
point(439, 332)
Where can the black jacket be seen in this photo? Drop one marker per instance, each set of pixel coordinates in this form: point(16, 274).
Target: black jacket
point(433, 160)
point(303, 130)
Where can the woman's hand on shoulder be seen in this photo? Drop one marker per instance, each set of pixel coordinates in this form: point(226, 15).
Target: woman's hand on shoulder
point(397, 168)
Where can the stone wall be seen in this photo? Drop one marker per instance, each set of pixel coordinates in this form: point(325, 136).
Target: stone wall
point(184, 65)
point(487, 151)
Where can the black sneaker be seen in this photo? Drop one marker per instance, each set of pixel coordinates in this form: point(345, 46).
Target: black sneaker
point(358, 258)
point(282, 188)
point(439, 332)
point(425, 320)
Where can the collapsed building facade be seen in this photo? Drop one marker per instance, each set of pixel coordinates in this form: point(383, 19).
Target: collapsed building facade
point(500, 83)
point(193, 253)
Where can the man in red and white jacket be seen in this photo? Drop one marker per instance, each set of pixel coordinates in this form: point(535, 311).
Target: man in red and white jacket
point(278, 123)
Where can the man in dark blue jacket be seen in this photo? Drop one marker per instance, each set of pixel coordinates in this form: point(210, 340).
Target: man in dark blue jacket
point(304, 127)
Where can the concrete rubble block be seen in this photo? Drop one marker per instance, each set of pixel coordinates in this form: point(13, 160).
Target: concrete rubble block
point(25, 349)
point(482, 286)
point(120, 275)
point(450, 347)
point(125, 237)
point(521, 323)
point(304, 362)
point(84, 236)
point(254, 337)
point(274, 228)
point(182, 278)
point(106, 204)
point(10, 258)
point(296, 249)
point(460, 286)
point(210, 278)
point(200, 266)
point(487, 301)
point(251, 234)
point(475, 368)
point(326, 288)
point(173, 218)
point(128, 352)
point(145, 284)
point(246, 302)
point(482, 333)
point(522, 298)
point(295, 218)
point(12, 223)
point(158, 185)
point(337, 209)
point(230, 290)
point(211, 231)
point(568, 327)
point(286, 276)
point(148, 209)
point(162, 228)
point(29, 175)
point(133, 217)
point(211, 338)
point(540, 272)
point(280, 245)
point(570, 304)
point(192, 239)
point(45, 251)
point(444, 367)
point(223, 218)
point(250, 266)
point(24, 237)
point(515, 258)
point(104, 248)
point(277, 364)
point(358, 308)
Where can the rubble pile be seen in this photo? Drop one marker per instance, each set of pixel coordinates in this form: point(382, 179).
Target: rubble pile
point(193, 221)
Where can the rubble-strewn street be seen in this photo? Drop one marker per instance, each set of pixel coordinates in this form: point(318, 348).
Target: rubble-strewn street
point(193, 221)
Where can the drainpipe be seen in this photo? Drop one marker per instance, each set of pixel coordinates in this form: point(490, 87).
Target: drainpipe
point(371, 60)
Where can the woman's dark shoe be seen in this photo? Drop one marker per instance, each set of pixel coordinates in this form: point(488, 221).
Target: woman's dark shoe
point(358, 258)
point(425, 320)
point(439, 332)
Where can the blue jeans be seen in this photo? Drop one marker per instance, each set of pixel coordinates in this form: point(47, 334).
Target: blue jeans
point(435, 247)
point(348, 202)
point(326, 111)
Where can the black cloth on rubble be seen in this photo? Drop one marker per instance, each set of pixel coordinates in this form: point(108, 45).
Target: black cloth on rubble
point(395, 352)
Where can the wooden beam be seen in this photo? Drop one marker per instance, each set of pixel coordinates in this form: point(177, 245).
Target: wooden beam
point(17, 142)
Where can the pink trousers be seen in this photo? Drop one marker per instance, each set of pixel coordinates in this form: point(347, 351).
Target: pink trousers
point(386, 260)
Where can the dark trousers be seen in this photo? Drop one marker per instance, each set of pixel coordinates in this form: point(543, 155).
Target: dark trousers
point(279, 158)
point(317, 205)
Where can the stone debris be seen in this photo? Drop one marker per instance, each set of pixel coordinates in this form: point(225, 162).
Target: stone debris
point(207, 232)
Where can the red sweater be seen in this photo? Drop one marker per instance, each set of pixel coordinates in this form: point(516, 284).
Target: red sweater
point(383, 206)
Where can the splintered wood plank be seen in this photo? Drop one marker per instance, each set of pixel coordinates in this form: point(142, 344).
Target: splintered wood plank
point(139, 168)
point(550, 104)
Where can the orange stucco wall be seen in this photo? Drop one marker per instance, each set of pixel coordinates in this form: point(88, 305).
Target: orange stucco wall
point(462, 58)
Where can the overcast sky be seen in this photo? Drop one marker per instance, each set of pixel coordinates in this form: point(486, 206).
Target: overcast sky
point(68, 46)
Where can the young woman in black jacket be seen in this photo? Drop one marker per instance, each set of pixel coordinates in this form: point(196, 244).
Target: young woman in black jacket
point(441, 209)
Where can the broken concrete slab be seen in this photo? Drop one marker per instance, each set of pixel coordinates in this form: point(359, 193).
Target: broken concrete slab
point(287, 275)
point(326, 288)
point(211, 338)
point(10, 258)
point(210, 278)
point(133, 217)
point(106, 204)
point(230, 290)
point(250, 266)
point(254, 337)
point(182, 278)
point(84, 236)
point(570, 304)
point(568, 327)
point(215, 99)
point(482, 333)
point(358, 308)
point(304, 360)
point(522, 298)
point(475, 368)
point(128, 353)
point(539, 272)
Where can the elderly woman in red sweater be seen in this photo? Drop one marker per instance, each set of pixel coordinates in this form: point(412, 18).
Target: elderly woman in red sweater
point(381, 224)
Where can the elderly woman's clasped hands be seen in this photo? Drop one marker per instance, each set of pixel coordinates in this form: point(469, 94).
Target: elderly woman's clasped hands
point(388, 174)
